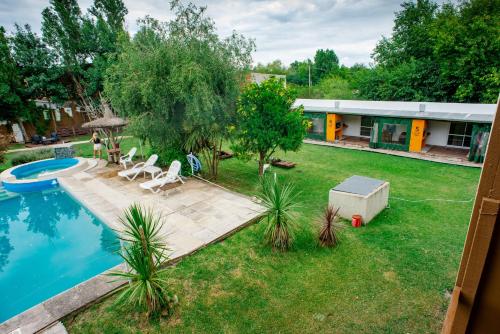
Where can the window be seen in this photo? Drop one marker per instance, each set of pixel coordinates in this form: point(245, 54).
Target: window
point(366, 126)
point(394, 134)
point(58, 115)
point(460, 134)
point(318, 126)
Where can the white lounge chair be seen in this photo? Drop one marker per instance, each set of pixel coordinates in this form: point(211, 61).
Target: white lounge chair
point(170, 176)
point(127, 158)
point(131, 174)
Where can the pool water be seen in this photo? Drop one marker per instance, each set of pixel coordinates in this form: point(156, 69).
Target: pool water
point(49, 243)
point(33, 170)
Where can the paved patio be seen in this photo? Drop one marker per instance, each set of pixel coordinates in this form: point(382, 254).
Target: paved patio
point(195, 215)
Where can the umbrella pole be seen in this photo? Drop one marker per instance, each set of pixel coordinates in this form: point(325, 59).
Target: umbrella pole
point(140, 147)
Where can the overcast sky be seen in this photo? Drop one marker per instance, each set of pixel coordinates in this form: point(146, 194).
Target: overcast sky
point(287, 30)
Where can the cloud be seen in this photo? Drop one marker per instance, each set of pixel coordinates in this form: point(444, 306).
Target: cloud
point(286, 30)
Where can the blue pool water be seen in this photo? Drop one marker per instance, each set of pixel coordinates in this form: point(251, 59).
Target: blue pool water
point(32, 170)
point(49, 243)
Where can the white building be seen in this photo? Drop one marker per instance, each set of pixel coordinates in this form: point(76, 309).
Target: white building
point(408, 126)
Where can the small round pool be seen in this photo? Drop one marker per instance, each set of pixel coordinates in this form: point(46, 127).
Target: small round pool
point(40, 175)
point(39, 168)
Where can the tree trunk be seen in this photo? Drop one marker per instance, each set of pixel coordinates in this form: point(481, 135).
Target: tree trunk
point(262, 156)
point(54, 123)
point(23, 131)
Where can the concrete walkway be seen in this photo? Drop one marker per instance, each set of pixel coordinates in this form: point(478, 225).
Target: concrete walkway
point(195, 214)
point(412, 155)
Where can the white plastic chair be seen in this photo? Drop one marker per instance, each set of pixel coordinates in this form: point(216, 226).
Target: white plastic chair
point(131, 174)
point(127, 158)
point(170, 176)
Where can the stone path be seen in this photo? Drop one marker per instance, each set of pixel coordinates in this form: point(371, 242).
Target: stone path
point(195, 215)
point(412, 155)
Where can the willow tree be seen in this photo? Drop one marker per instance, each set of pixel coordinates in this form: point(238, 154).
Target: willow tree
point(178, 83)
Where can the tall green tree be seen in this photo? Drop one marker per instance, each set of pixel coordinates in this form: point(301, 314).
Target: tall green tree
point(38, 66)
point(267, 121)
point(325, 63)
point(11, 102)
point(299, 71)
point(178, 83)
point(466, 46)
point(85, 45)
point(438, 53)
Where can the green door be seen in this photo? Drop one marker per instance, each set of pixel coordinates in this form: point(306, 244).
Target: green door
point(391, 133)
point(317, 126)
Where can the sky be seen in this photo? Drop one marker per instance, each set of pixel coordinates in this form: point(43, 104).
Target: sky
point(287, 30)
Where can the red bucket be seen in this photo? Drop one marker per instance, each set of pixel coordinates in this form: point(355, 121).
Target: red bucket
point(356, 220)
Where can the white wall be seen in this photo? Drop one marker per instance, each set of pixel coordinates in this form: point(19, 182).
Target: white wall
point(354, 124)
point(439, 133)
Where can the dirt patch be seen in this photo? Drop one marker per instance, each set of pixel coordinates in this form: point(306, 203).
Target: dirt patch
point(391, 276)
point(108, 174)
point(217, 291)
point(236, 273)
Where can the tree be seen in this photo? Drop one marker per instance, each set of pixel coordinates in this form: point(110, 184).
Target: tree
point(298, 72)
point(84, 45)
point(274, 67)
point(447, 53)
point(266, 121)
point(12, 107)
point(178, 83)
point(325, 62)
point(37, 66)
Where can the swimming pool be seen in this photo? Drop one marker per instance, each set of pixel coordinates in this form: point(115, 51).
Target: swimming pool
point(35, 169)
point(49, 243)
point(40, 175)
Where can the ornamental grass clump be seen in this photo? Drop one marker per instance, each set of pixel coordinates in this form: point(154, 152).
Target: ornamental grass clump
point(328, 233)
point(280, 203)
point(145, 254)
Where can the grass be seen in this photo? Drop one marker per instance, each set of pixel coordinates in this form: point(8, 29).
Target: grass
point(388, 277)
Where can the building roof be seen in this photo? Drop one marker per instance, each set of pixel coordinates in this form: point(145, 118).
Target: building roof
point(465, 112)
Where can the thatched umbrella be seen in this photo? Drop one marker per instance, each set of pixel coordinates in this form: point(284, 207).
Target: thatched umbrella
point(107, 124)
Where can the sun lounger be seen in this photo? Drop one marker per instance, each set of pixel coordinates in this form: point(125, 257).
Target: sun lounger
point(131, 174)
point(127, 158)
point(170, 176)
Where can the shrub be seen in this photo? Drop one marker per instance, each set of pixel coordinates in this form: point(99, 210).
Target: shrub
point(145, 253)
point(168, 154)
point(279, 201)
point(329, 227)
point(32, 155)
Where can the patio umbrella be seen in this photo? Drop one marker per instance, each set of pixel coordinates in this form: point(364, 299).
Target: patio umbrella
point(107, 123)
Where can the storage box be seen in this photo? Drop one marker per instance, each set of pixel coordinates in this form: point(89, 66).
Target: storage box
point(360, 195)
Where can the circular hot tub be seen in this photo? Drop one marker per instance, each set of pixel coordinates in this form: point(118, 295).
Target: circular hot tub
point(39, 175)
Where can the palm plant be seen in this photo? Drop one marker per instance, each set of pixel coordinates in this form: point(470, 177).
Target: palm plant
point(329, 227)
point(279, 201)
point(144, 252)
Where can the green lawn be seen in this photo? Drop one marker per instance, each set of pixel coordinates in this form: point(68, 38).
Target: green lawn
point(388, 277)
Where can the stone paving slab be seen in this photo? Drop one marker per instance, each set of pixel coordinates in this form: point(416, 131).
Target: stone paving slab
point(195, 215)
